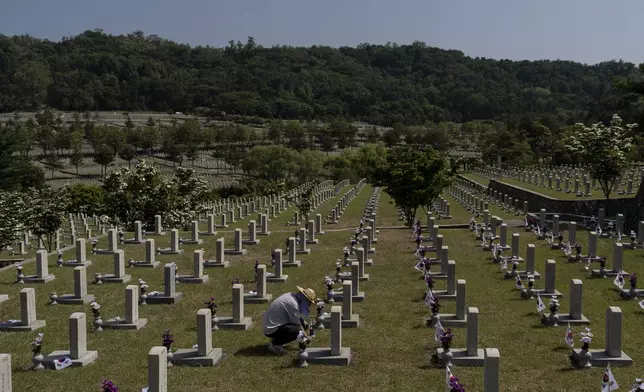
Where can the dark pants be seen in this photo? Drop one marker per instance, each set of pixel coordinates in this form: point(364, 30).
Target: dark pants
point(285, 334)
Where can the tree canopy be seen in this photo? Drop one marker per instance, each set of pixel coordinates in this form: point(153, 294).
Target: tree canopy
point(413, 178)
point(142, 193)
point(604, 150)
point(379, 84)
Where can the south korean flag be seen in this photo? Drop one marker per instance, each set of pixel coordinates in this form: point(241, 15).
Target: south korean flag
point(619, 281)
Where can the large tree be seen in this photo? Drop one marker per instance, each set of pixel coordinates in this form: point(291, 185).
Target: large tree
point(46, 213)
point(12, 213)
point(413, 177)
point(142, 193)
point(603, 149)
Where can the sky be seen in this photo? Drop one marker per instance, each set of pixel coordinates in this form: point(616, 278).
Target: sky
point(587, 31)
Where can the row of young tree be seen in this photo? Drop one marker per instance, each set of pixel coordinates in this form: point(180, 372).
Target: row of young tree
point(126, 196)
point(57, 142)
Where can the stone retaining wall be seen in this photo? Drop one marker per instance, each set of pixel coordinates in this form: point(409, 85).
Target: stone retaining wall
point(632, 208)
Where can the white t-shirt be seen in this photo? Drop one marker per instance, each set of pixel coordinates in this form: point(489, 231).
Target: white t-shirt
point(284, 310)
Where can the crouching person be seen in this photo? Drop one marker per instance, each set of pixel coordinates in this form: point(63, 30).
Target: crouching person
point(284, 320)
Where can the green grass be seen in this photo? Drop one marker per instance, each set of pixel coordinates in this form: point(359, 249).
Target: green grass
point(552, 193)
point(391, 346)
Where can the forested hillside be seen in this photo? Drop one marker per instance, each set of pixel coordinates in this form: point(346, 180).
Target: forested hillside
point(408, 84)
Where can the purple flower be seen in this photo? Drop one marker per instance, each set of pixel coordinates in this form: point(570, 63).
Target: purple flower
point(446, 337)
point(168, 339)
point(455, 385)
point(210, 304)
point(633, 279)
point(435, 306)
point(108, 386)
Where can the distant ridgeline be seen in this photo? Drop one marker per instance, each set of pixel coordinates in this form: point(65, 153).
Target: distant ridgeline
point(379, 84)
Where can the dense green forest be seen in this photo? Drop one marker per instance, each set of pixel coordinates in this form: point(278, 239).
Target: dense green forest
point(380, 84)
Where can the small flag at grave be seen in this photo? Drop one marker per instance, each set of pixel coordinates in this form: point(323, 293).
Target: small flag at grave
point(519, 283)
point(587, 266)
point(62, 363)
point(567, 249)
point(439, 331)
point(570, 342)
point(641, 303)
point(608, 381)
point(419, 266)
point(448, 376)
point(540, 305)
point(429, 297)
point(619, 280)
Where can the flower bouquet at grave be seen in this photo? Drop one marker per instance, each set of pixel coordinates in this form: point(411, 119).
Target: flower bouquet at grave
point(168, 339)
point(210, 304)
point(583, 358)
point(553, 318)
point(455, 385)
point(108, 386)
point(578, 249)
point(338, 271)
point(435, 306)
point(429, 282)
point(528, 293)
point(143, 292)
point(329, 289)
point(633, 237)
point(320, 314)
point(446, 337)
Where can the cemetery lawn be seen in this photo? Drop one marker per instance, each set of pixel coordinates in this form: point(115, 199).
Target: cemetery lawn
point(552, 193)
point(391, 346)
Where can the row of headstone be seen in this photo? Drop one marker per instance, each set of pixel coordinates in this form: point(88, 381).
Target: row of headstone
point(564, 179)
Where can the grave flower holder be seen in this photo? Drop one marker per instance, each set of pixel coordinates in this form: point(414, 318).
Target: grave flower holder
point(37, 357)
point(53, 298)
point(321, 315)
point(446, 356)
point(553, 318)
point(303, 355)
point(582, 360)
point(210, 304)
point(143, 295)
point(98, 322)
point(168, 339)
point(529, 292)
point(20, 277)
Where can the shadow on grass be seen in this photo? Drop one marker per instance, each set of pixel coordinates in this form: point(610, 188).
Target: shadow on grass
point(569, 369)
point(259, 350)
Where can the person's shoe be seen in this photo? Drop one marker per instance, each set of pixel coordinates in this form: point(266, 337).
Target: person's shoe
point(276, 349)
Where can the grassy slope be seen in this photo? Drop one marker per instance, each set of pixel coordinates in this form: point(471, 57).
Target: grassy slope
point(553, 193)
point(391, 346)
